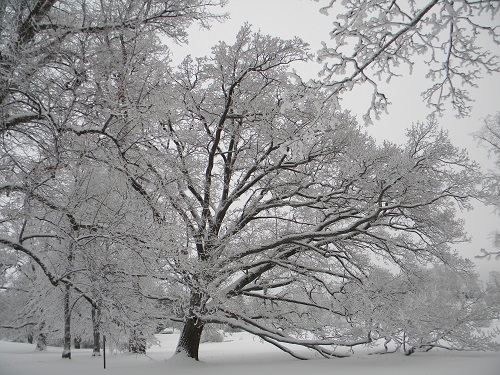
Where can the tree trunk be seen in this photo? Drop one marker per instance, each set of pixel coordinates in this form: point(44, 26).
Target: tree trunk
point(67, 307)
point(41, 340)
point(137, 341)
point(189, 342)
point(96, 352)
point(67, 324)
point(78, 342)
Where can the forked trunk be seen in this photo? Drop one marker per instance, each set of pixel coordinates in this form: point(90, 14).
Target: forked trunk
point(189, 342)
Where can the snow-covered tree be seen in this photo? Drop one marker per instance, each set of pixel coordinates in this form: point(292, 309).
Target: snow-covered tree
point(30, 306)
point(425, 308)
point(224, 191)
point(279, 201)
point(47, 89)
point(489, 137)
point(86, 244)
point(381, 40)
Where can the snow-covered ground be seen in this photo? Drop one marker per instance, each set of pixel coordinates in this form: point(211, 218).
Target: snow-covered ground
point(239, 354)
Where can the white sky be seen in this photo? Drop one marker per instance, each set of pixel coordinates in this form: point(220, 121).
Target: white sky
point(290, 18)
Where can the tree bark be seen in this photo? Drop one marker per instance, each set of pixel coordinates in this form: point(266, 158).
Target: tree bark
point(137, 341)
point(41, 340)
point(67, 324)
point(96, 352)
point(189, 342)
point(67, 307)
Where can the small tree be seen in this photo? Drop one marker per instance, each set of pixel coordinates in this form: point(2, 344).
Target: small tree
point(31, 306)
point(489, 137)
point(422, 309)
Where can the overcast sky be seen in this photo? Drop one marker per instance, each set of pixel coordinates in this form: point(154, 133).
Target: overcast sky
point(290, 18)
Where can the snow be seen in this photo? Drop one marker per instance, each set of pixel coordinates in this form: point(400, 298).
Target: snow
point(239, 354)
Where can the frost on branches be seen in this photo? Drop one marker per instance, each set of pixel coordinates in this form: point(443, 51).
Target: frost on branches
point(489, 137)
point(374, 40)
point(65, 222)
point(222, 191)
point(282, 204)
point(427, 308)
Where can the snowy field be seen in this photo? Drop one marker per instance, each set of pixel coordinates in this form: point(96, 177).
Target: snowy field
point(239, 354)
